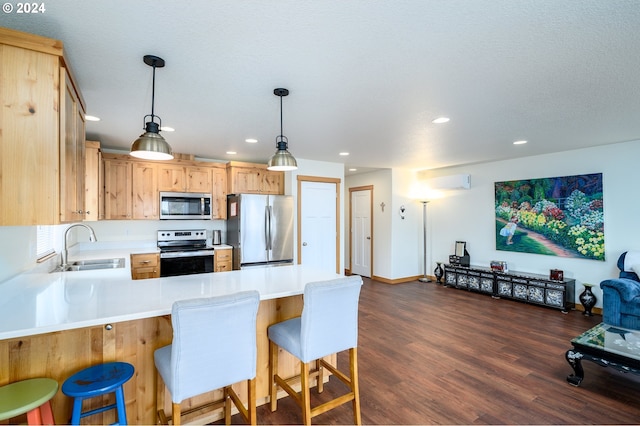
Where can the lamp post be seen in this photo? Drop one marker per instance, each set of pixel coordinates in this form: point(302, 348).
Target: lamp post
point(424, 279)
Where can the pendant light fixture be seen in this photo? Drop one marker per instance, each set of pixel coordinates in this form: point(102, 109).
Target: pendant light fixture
point(282, 160)
point(150, 145)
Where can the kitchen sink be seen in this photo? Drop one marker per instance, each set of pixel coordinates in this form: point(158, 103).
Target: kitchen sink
point(92, 264)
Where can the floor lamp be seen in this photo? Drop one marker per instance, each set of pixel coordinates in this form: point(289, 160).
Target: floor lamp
point(424, 279)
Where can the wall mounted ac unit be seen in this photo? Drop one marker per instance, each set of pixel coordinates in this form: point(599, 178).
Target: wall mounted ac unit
point(450, 182)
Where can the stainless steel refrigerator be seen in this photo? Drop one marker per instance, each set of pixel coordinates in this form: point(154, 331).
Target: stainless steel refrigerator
point(260, 229)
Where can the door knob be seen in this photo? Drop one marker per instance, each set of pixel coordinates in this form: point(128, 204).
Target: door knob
point(304, 244)
point(368, 238)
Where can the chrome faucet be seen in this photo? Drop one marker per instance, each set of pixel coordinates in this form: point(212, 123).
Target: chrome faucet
point(65, 253)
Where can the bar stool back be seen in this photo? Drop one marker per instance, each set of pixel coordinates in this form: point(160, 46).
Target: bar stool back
point(328, 325)
point(95, 381)
point(214, 346)
point(31, 396)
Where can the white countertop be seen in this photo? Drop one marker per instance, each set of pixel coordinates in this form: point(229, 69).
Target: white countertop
point(41, 302)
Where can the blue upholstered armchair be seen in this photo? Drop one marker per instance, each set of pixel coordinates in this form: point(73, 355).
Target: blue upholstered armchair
point(621, 296)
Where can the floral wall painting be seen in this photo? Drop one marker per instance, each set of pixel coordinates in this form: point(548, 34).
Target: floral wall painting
point(558, 216)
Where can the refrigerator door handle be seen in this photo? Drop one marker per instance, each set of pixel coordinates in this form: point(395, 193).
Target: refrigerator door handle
point(267, 226)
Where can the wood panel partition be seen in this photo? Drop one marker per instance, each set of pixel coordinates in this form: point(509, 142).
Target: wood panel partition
point(58, 355)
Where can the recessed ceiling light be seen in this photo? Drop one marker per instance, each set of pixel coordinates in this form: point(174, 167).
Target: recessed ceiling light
point(251, 140)
point(91, 118)
point(353, 170)
point(441, 120)
point(167, 129)
point(519, 142)
point(344, 154)
point(231, 152)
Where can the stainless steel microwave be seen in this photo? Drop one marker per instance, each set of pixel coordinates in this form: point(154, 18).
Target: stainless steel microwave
point(185, 205)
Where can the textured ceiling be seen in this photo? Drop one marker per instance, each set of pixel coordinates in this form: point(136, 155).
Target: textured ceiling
point(365, 77)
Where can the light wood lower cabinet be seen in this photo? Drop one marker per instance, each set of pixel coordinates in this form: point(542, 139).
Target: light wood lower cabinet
point(59, 355)
point(222, 260)
point(145, 265)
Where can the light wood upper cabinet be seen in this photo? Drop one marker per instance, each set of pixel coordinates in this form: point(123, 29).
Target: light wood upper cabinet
point(117, 189)
point(199, 179)
point(145, 191)
point(93, 182)
point(171, 177)
point(72, 152)
point(219, 200)
point(181, 178)
point(249, 178)
point(42, 120)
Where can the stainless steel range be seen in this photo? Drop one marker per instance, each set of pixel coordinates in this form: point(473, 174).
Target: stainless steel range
point(184, 252)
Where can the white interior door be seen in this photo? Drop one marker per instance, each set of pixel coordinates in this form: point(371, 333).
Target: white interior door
point(318, 225)
point(361, 233)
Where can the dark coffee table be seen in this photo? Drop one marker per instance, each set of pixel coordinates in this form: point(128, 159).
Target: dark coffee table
point(607, 346)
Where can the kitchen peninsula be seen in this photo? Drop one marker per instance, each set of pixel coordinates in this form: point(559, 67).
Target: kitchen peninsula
point(53, 324)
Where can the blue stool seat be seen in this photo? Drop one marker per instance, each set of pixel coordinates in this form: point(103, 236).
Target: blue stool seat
point(95, 381)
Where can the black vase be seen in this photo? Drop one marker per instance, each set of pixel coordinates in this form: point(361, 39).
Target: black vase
point(438, 272)
point(588, 299)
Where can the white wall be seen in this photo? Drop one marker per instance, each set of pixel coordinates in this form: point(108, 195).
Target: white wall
point(468, 215)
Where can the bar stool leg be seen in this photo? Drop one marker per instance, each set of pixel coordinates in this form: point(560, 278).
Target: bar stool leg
point(120, 405)
point(273, 370)
point(43, 415)
point(304, 393)
point(77, 410)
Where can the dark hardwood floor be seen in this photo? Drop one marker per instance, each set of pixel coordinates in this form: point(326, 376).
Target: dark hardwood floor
point(435, 355)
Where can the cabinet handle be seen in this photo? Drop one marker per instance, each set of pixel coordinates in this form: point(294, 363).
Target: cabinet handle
point(88, 212)
point(145, 261)
point(108, 327)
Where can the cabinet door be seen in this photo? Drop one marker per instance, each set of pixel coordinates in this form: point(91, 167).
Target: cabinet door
point(199, 179)
point(223, 260)
point(145, 265)
point(72, 137)
point(145, 191)
point(219, 200)
point(117, 189)
point(29, 144)
point(272, 182)
point(245, 181)
point(93, 182)
point(171, 178)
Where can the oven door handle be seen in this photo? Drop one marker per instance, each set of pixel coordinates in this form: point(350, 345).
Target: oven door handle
point(174, 254)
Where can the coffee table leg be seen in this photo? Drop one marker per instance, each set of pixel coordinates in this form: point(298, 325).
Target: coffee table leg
point(574, 358)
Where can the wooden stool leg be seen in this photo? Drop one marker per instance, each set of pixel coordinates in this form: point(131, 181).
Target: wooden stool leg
point(273, 370)
point(304, 393)
point(320, 369)
point(175, 413)
point(227, 405)
point(353, 365)
point(251, 401)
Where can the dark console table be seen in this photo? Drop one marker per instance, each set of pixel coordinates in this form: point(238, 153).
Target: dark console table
point(520, 286)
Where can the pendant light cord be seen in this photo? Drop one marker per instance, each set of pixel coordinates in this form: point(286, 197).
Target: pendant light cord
point(153, 93)
point(281, 131)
